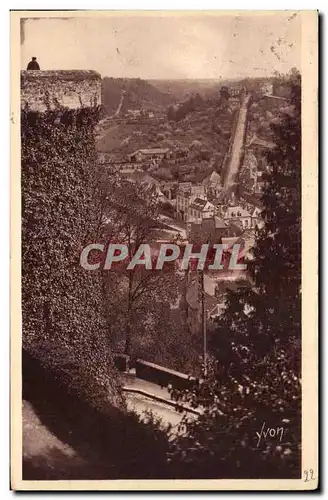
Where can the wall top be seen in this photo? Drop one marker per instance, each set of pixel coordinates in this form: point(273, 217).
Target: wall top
point(65, 75)
point(72, 88)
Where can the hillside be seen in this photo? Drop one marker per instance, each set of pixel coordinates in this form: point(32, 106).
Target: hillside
point(199, 141)
point(137, 94)
point(181, 89)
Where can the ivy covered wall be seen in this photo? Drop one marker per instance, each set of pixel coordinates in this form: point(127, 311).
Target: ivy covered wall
point(62, 304)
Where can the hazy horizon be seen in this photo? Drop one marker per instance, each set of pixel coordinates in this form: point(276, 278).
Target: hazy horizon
point(166, 46)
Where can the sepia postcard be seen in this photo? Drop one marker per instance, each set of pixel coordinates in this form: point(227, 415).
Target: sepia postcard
point(164, 250)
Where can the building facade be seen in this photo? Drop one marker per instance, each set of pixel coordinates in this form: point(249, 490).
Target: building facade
point(186, 194)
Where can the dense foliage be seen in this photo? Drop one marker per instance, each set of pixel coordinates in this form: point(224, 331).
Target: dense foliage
point(138, 94)
point(71, 317)
point(145, 309)
point(180, 111)
point(255, 379)
point(63, 311)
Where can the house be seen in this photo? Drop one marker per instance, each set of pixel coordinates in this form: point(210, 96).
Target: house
point(134, 113)
point(200, 209)
point(215, 291)
point(157, 154)
point(211, 230)
point(274, 101)
point(235, 90)
point(247, 214)
point(186, 194)
point(139, 113)
point(239, 215)
point(227, 197)
point(150, 185)
point(212, 184)
point(126, 168)
point(247, 242)
point(259, 146)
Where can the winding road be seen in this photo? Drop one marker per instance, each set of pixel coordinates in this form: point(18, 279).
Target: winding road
point(117, 112)
point(106, 121)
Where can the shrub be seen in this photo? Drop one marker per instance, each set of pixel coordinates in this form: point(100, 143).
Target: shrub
point(222, 443)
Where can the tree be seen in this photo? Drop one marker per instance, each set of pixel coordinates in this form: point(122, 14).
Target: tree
point(274, 303)
point(255, 373)
point(224, 94)
point(223, 441)
point(135, 298)
point(170, 113)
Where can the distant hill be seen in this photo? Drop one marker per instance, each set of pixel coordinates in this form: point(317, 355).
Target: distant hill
point(138, 94)
point(182, 89)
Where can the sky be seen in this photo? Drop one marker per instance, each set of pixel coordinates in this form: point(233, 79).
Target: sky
point(166, 46)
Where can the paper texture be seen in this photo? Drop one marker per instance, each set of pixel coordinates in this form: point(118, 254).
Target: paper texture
point(164, 326)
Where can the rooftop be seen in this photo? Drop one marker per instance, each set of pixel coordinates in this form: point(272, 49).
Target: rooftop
point(276, 97)
point(199, 204)
point(152, 151)
point(143, 177)
point(219, 223)
point(257, 141)
point(237, 211)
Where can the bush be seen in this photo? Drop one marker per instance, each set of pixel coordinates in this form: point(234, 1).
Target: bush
point(223, 442)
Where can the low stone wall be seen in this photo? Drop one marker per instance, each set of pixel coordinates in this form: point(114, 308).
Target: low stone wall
point(162, 376)
point(122, 362)
point(72, 89)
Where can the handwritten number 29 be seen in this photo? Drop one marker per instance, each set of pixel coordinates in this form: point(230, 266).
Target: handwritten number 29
point(309, 475)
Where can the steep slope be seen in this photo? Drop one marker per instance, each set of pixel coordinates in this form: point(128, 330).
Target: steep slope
point(138, 94)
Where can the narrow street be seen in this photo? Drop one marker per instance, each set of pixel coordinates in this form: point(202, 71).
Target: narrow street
point(238, 145)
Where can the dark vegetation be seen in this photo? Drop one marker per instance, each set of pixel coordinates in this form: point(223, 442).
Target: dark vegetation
point(138, 94)
point(197, 132)
point(110, 445)
point(140, 318)
point(180, 111)
point(64, 323)
point(254, 373)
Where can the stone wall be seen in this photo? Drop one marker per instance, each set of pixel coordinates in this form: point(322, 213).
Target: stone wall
point(163, 376)
point(72, 89)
